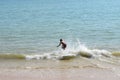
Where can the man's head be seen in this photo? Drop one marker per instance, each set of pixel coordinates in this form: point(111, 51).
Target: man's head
point(61, 40)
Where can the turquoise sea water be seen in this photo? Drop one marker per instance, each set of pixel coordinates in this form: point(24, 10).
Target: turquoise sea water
point(35, 26)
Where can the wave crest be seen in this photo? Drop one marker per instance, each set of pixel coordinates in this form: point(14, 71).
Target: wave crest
point(70, 53)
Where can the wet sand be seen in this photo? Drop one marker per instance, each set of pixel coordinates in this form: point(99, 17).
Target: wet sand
point(58, 74)
point(75, 69)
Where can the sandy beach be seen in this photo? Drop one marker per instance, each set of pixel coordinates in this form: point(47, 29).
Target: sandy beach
point(58, 74)
point(75, 69)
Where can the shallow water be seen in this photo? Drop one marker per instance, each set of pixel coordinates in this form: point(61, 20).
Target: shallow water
point(36, 26)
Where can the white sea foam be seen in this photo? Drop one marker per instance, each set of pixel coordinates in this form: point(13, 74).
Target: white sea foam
point(71, 52)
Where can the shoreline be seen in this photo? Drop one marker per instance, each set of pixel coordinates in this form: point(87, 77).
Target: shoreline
point(58, 74)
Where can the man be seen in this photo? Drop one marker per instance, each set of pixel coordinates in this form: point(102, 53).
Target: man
point(63, 44)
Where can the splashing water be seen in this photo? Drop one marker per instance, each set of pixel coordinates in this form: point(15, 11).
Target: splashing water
point(72, 51)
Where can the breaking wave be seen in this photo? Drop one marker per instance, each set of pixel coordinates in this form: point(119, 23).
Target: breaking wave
point(78, 50)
